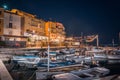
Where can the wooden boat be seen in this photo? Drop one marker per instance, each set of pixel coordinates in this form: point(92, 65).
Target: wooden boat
point(91, 72)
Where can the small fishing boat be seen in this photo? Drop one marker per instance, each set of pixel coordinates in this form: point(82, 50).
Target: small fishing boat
point(114, 55)
point(91, 72)
point(24, 58)
point(66, 76)
point(29, 63)
point(68, 51)
point(100, 55)
point(56, 64)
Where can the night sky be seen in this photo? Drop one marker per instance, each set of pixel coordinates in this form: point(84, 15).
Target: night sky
point(87, 16)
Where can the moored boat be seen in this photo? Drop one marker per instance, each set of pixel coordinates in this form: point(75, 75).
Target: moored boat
point(66, 76)
point(87, 74)
point(91, 73)
point(100, 55)
point(114, 55)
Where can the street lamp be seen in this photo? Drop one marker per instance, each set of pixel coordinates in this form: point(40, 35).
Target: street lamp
point(5, 6)
point(48, 47)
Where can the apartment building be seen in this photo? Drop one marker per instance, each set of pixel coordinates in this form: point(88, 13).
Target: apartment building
point(17, 26)
point(10, 27)
point(32, 27)
point(56, 32)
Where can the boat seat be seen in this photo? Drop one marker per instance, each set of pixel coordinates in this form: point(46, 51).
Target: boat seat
point(87, 74)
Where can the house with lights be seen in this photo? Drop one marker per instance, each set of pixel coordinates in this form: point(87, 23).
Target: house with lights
point(25, 29)
point(33, 28)
point(56, 33)
point(10, 28)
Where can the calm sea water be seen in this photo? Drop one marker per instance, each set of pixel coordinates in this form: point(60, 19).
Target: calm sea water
point(113, 65)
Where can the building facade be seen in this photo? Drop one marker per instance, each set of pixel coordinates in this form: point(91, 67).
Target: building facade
point(17, 26)
point(10, 27)
point(56, 32)
point(32, 28)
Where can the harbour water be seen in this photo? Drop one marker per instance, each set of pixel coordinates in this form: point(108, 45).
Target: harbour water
point(113, 65)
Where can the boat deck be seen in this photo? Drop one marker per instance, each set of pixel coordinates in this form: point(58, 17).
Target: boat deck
point(63, 68)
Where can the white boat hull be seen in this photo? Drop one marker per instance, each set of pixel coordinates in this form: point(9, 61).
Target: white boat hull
point(101, 56)
point(113, 56)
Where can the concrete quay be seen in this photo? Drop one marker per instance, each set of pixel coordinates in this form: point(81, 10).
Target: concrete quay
point(4, 74)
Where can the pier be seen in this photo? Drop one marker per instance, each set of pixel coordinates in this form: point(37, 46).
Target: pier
point(4, 74)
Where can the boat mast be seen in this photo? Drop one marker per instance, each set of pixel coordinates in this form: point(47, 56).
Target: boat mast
point(113, 42)
point(81, 39)
point(119, 39)
point(97, 41)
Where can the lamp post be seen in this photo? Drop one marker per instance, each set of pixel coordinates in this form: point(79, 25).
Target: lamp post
point(48, 47)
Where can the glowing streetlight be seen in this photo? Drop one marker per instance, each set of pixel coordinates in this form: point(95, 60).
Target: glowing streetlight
point(5, 6)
